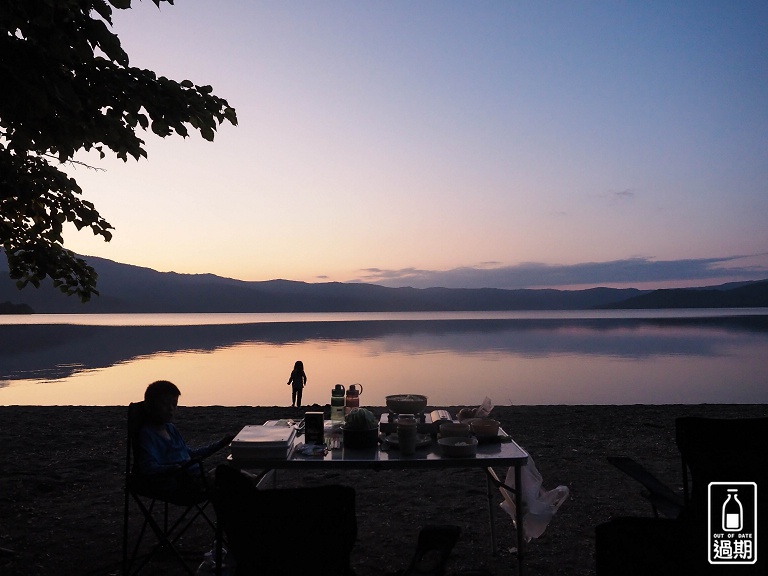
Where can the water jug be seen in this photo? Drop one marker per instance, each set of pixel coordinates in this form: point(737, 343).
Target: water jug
point(353, 397)
point(337, 404)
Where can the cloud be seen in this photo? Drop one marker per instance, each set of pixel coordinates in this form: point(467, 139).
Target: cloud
point(632, 271)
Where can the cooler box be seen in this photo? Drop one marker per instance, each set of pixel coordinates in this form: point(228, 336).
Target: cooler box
point(263, 442)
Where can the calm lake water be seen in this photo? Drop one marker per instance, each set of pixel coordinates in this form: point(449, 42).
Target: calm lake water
point(606, 357)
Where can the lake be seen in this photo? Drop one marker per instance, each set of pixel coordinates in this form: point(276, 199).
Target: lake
point(575, 357)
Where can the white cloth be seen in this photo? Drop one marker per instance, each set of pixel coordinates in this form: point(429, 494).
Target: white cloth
point(539, 505)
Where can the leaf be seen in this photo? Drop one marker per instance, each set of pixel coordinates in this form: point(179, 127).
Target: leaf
point(231, 115)
point(160, 128)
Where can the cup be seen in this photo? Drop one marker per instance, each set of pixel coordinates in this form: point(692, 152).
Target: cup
point(406, 435)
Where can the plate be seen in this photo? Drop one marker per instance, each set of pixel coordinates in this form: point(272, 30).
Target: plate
point(421, 440)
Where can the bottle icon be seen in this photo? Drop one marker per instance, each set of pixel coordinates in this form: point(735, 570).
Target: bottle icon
point(337, 404)
point(733, 513)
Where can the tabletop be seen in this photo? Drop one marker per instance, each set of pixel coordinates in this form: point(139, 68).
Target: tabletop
point(502, 452)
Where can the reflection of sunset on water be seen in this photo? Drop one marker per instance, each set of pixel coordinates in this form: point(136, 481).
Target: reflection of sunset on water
point(453, 364)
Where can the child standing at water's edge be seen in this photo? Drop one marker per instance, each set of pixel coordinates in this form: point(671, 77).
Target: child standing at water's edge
point(298, 379)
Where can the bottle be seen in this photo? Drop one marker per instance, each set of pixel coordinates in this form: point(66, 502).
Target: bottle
point(733, 513)
point(353, 397)
point(337, 404)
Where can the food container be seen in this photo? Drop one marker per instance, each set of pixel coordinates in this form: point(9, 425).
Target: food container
point(483, 427)
point(458, 447)
point(454, 429)
point(358, 439)
point(406, 403)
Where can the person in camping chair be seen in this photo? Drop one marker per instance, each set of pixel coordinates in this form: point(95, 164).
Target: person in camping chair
point(161, 449)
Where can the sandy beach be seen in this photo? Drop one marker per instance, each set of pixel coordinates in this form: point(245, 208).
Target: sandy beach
point(61, 486)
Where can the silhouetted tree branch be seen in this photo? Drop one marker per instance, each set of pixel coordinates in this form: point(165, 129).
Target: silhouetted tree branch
point(66, 86)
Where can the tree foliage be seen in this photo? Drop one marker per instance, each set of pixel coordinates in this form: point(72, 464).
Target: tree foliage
point(66, 86)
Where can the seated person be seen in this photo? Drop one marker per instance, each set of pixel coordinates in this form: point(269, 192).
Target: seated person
point(162, 456)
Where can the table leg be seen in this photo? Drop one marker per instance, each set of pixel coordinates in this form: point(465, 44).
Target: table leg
point(219, 549)
point(489, 487)
point(519, 517)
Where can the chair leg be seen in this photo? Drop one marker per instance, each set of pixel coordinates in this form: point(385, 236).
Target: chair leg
point(433, 548)
point(166, 537)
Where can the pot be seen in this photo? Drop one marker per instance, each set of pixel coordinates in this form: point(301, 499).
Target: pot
point(406, 403)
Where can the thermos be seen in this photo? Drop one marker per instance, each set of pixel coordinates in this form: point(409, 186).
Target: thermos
point(406, 434)
point(353, 397)
point(337, 404)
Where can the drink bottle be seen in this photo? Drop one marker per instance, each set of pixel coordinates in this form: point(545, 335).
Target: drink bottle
point(337, 404)
point(353, 397)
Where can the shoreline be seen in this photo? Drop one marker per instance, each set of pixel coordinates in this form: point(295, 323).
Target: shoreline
point(61, 485)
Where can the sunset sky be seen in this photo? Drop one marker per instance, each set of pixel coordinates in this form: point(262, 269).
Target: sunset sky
point(463, 144)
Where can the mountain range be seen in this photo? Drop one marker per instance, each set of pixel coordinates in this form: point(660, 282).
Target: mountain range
point(132, 289)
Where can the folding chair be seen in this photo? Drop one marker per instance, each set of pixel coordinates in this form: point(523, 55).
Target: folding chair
point(662, 498)
point(711, 450)
point(287, 531)
point(167, 513)
point(720, 450)
point(433, 548)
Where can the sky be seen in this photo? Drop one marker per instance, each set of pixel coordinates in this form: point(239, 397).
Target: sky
point(462, 144)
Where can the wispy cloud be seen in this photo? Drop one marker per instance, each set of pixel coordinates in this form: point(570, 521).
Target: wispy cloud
point(632, 271)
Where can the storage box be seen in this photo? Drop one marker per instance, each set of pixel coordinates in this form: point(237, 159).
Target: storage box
point(263, 442)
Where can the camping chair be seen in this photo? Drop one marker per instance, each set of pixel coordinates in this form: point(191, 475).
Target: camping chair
point(661, 497)
point(724, 450)
point(287, 531)
point(711, 450)
point(168, 514)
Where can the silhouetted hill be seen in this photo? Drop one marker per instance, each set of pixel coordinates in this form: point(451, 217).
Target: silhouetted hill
point(132, 289)
point(10, 308)
point(744, 295)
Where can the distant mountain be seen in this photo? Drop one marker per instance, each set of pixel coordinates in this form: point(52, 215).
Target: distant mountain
point(131, 289)
point(737, 295)
point(10, 308)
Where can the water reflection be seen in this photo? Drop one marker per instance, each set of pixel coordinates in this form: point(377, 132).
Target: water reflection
point(542, 361)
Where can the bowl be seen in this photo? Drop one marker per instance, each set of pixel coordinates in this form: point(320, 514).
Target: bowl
point(357, 438)
point(458, 447)
point(406, 403)
point(454, 429)
point(483, 427)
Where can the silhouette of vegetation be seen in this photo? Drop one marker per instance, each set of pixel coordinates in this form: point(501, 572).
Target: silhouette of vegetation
point(66, 86)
